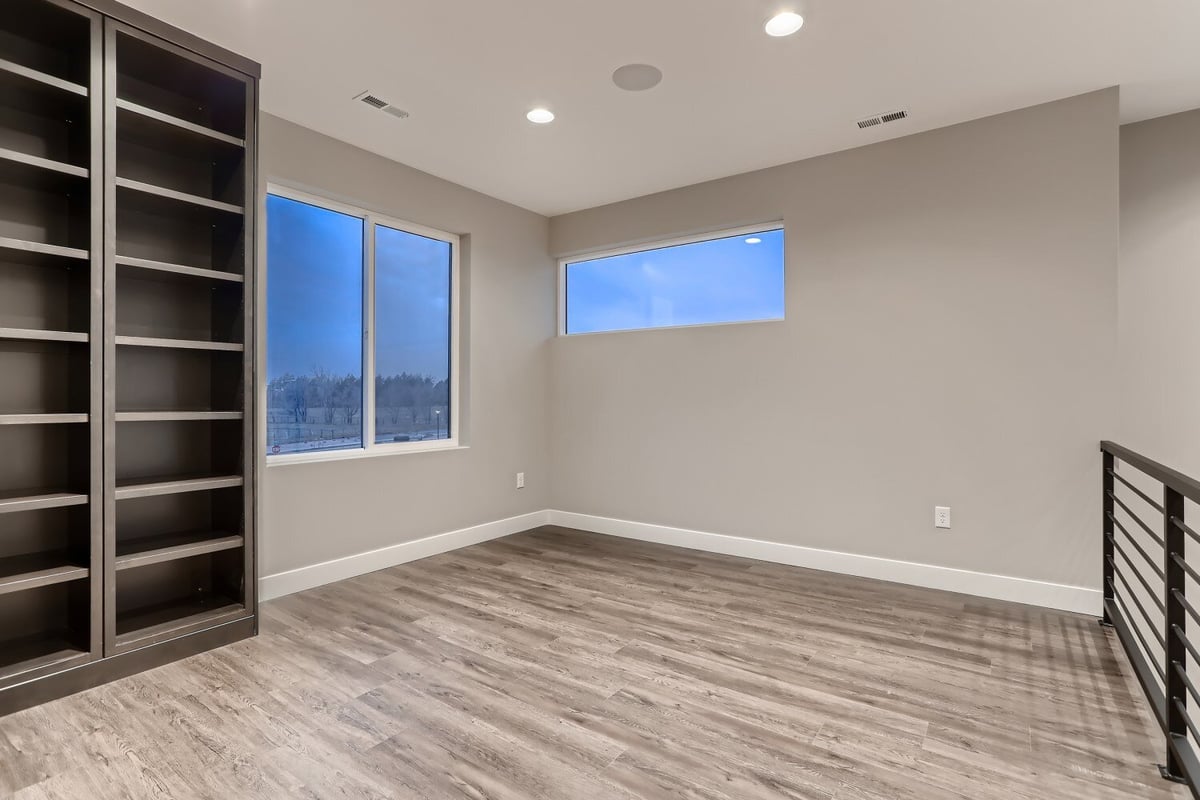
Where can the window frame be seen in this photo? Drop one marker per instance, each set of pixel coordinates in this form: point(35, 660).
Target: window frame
point(661, 244)
point(369, 448)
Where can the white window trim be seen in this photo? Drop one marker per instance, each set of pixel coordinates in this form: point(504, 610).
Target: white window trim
point(370, 448)
point(643, 247)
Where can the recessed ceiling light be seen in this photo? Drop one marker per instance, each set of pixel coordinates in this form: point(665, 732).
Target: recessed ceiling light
point(637, 77)
point(540, 115)
point(754, 240)
point(784, 24)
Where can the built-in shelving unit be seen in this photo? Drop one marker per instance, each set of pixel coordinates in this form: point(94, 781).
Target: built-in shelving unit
point(176, 196)
point(35, 335)
point(140, 122)
point(181, 344)
point(40, 653)
point(20, 76)
point(41, 419)
point(143, 625)
point(175, 416)
point(127, 206)
point(50, 331)
point(179, 506)
point(38, 499)
point(32, 571)
point(175, 484)
point(171, 546)
point(37, 253)
point(167, 572)
point(180, 270)
point(38, 170)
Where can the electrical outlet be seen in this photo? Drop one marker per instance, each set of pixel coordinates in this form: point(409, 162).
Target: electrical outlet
point(520, 480)
point(941, 517)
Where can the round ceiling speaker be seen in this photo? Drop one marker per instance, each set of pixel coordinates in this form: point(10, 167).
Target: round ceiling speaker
point(637, 77)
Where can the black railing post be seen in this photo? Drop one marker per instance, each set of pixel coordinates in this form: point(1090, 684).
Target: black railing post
point(1175, 627)
point(1107, 578)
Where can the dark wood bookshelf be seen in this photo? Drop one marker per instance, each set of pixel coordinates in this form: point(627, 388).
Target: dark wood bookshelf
point(127, 219)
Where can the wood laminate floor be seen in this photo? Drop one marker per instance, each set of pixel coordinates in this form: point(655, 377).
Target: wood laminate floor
point(554, 664)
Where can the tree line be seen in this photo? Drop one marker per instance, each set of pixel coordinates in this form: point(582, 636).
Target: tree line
point(322, 398)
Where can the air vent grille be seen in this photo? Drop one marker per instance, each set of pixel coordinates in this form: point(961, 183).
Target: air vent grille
point(881, 119)
point(377, 102)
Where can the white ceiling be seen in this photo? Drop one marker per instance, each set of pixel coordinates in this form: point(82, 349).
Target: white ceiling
point(732, 99)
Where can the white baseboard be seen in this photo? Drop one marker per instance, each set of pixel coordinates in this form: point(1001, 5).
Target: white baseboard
point(981, 584)
point(297, 580)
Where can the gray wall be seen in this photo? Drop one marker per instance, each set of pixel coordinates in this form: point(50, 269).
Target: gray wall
point(950, 339)
point(321, 511)
point(1159, 317)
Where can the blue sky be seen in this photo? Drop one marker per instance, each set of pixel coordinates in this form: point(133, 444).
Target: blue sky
point(721, 280)
point(315, 285)
point(314, 295)
point(412, 304)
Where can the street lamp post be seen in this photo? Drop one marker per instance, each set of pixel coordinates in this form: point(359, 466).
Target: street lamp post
point(438, 416)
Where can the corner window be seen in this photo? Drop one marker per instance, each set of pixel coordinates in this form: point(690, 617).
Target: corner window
point(734, 276)
point(353, 294)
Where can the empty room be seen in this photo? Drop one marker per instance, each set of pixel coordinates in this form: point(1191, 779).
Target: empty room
point(654, 399)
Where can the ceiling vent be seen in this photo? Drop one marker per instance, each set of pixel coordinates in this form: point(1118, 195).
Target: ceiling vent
point(383, 105)
point(880, 119)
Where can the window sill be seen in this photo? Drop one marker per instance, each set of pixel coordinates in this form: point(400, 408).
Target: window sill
point(383, 451)
point(692, 326)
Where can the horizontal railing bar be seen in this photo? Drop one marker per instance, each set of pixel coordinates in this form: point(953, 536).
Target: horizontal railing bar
point(1183, 639)
point(1149, 591)
point(1140, 663)
point(1149, 531)
point(1146, 650)
point(1185, 566)
point(1188, 607)
point(1153, 565)
point(1186, 718)
point(1162, 641)
point(1178, 523)
point(1187, 645)
point(1188, 487)
point(1149, 501)
point(1182, 673)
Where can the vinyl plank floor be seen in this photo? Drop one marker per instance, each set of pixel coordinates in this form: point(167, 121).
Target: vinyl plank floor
point(559, 665)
